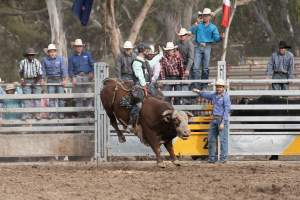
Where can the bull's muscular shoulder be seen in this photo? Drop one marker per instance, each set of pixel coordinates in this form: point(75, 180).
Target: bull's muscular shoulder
point(158, 103)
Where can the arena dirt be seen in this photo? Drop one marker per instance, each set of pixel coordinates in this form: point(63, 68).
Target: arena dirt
point(143, 180)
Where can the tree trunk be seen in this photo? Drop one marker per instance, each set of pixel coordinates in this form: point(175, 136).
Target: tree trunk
point(187, 14)
point(111, 27)
point(56, 22)
point(136, 27)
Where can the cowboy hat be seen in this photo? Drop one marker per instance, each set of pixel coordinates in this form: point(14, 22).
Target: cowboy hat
point(220, 82)
point(30, 51)
point(200, 13)
point(170, 46)
point(128, 45)
point(207, 11)
point(50, 47)
point(77, 42)
point(283, 45)
point(183, 31)
point(10, 87)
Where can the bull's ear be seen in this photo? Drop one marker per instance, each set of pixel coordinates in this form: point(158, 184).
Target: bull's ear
point(167, 114)
point(189, 114)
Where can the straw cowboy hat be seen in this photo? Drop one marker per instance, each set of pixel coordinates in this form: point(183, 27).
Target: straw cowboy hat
point(77, 42)
point(170, 46)
point(128, 45)
point(220, 82)
point(50, 47)
point(183, 31)
point(30, 51)
point(207, 11)
point(10, 87)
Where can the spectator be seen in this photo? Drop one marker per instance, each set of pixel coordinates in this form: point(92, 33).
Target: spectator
point(153, 87)
point(55, 71)
point(124, 61)
point(81, 71)
point(11, 103)
point(281, 66)
point(172, 68)
point(205, 34)
point(199, 18)
point(219, 124)
point(30, 70)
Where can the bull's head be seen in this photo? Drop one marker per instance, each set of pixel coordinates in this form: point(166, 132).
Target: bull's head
point(180, 120)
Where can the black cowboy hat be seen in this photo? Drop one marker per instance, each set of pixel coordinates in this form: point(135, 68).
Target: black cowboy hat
point(284, 45)
point(30, 51)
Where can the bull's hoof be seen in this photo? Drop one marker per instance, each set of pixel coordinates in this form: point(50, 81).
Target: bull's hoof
point(122, 139)
point(161, 165)
point(176, 162)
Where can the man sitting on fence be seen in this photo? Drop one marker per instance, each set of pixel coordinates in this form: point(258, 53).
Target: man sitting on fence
point(81, 70)
point(172, 69)
point(30, 70)
point(219, 124)
point(55, 70)
point(124, 61)
point(281, 66)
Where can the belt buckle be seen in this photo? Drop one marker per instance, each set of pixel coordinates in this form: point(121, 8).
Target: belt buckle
point(202, 44)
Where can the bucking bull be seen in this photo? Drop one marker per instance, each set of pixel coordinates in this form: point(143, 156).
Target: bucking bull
point(160, 122)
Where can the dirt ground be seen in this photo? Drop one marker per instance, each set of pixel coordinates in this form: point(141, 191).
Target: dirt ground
point(143, 180)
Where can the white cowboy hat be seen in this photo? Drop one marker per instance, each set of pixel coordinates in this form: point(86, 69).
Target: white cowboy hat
point(220, 82)
point(51, 47)
point(128, 45)
point(152, 49)
point(78, 42)
point(207, 11)
point(183, 31)
point(10, 87)
point(170, 46)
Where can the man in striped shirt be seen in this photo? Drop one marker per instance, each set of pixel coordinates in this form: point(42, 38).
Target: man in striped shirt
point(30, 70)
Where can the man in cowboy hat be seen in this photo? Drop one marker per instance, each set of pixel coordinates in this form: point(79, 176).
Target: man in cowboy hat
point(30, 71)
point(55, 71)
point(219, 124)
point(124, 61)
point(281, 66)
point(172, 68)
point(11, 103)
point(81, 70)
point(205, 33)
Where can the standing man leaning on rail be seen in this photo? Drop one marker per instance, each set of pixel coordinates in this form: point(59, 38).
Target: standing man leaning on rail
point(281, 66)
point(81, 70)
point(219, 125)
point(30, 71)
point(55, 70)
point(205, 34)
point(124, 61)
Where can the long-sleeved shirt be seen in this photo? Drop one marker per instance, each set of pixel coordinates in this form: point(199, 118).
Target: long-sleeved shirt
point(80, 63)
point(205, 34)
point(30, 69)
point(171, 66)
point(186, 49)
point(124, 63)
point(281, 64)
point(138, 70)
point(54, 67)
point(221, 103)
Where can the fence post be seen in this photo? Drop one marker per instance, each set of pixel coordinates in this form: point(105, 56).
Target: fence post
point(221, 70)
point(101, 119)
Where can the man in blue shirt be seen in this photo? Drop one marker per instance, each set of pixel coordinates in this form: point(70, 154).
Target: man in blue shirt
point(205, 34)
point(81, 70)
point(219, 125)
point(55, 70)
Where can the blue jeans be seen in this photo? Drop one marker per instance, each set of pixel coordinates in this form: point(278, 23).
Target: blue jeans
point(32, 89)
point(200, 69)
point(55, 89)
point(213, 138)
point(280, 86)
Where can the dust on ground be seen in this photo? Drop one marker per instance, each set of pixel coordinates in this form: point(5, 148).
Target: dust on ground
point(143, 180)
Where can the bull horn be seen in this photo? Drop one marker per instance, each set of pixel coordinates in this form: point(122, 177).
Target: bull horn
point(189, 114)
point(167, 112)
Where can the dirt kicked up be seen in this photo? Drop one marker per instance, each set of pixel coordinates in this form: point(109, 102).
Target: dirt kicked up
point(143, 180)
